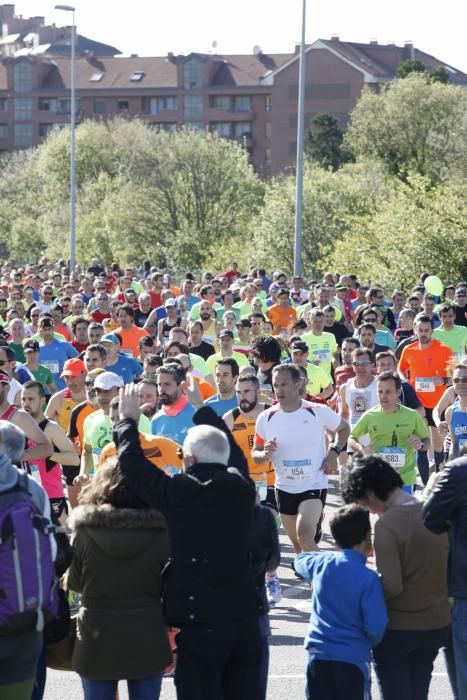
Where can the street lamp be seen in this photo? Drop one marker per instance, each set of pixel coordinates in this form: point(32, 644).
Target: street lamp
point(297, 264)
point(69, 8)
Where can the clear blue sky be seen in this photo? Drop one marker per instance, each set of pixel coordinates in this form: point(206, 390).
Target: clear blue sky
point(158, 26)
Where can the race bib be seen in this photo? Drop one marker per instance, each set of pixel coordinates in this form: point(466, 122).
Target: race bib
point(395, 456)
point(34, 472)
point(170, 470)
point(52, 365)
point(462, 440)
point(261, 485)
point(321, 355)
point(424, 385)
point(297, 469)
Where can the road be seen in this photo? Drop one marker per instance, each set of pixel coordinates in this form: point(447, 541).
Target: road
point(288, 658)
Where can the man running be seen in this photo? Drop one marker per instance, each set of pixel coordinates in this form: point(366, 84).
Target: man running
point(424, 364)
point(293, 435)
point(456, 415)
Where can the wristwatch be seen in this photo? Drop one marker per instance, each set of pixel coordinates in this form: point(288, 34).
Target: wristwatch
point(336, 449)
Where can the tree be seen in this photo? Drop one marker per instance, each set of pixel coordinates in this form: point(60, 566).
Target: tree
point(166, 196)
point(413, 125)
point(323, 142)
point(411, 65)
point(440, 74)
point(331, 202)
point(416, 226)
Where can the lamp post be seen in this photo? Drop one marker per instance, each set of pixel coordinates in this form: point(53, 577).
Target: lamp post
point(69, 8)
point(300, 142)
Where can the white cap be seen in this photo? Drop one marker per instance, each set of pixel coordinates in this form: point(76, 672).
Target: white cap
point(108, 380)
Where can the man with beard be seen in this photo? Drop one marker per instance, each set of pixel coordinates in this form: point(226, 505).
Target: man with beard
point(211, 327)
point(49, 470)
point(175, 416)
point(241, 421)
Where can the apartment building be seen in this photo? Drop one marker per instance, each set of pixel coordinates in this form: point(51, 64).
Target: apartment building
point(249, 98)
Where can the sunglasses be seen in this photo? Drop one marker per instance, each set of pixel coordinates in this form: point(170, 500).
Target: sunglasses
point(149, 375)
point(459, 380)
point(362, 363)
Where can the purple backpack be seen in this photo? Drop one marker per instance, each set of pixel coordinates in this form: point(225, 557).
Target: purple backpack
point(27, 577)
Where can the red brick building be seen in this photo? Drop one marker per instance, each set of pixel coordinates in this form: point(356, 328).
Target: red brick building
point(249, 98)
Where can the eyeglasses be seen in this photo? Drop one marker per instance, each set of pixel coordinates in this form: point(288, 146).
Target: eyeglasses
point(361, 363)
point(459, 380)
point(89, 383)
point(149, 375)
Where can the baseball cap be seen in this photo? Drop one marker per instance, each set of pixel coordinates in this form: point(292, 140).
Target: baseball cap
point(299, 345)
point(341, 288)
point(73, 368)
point(245, 322)
point(110, 338)
point(4, 378)
point(31, 345)
point(170, 302)
point(46, 322)
point(108, 380)
point(225, 334)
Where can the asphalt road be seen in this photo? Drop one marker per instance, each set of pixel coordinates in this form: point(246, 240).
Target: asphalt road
point(288, 658)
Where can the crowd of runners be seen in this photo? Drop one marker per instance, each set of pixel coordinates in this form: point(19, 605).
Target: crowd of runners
point(171, 424)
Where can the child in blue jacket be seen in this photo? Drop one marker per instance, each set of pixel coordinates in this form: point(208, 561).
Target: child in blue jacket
point(348, 615)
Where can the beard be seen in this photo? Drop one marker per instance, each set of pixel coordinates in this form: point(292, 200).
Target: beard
point(247, 406)
point(205, 317)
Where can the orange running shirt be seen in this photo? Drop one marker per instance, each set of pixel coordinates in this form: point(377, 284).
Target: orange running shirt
point(422, 366)
point(243, 431)
point(281, 317)
point(130, 339)
point(161, 451)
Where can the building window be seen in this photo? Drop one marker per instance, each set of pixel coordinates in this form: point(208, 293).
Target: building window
point(242, 130)
point(268, 130)
point(242, 104)
point(194, 126)
point(168, 127)
point(64, 106)
point(267, 103)
point(96, 77)
point(193, 74)
point(136, 76)
point(22, 108)
point(22, 76)
point(3, 131)
point(45, 130)
point(268, 157)
point(99, 106)
point(48, 104)
point(221, 129)
point(123, 106)
point(23, 134)
point(3, 104)
point(223, 102)
point(159, 104)
point(193, 107)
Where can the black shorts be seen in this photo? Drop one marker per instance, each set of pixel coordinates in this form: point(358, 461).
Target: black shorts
point(429, 417)
point(70, 473)
point(59, 506)
point(288, 502)
point(270, 499)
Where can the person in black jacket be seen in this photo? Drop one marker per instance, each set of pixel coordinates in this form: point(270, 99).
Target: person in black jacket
point(446, 509)
point(211, 592)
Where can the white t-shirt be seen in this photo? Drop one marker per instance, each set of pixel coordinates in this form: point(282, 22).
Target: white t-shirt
point(301, 445)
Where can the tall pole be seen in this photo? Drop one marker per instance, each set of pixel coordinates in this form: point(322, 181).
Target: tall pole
point(73, 150)
point(300, 143)
point(69, 8)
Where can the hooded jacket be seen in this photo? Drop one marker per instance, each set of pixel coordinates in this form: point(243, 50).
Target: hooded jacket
point(118, 556)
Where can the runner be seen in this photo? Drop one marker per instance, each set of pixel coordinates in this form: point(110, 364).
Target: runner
point(293, 435)
point(319, 382)
point(241, 421)
point(394, 431)
point(63, 402)
point(175, 416)
point(322, 345)
point(424, 364)
point(48, 472)
point(282, 314)
point(226, 376)
point(456, 415)
point(53, 353)
point(129, 333)
point(455, 337)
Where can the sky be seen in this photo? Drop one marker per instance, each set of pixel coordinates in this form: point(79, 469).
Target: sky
point(156, 27)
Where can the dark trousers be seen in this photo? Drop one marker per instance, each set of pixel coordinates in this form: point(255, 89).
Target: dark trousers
point(404, 662)
point(221, 662)
point(334, 680)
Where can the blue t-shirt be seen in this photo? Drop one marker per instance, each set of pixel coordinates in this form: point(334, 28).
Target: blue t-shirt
point(221, 406)
point(190, 302)
point(126, 367)
point(173, 427)
point(54, 356)
point(348, 614)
